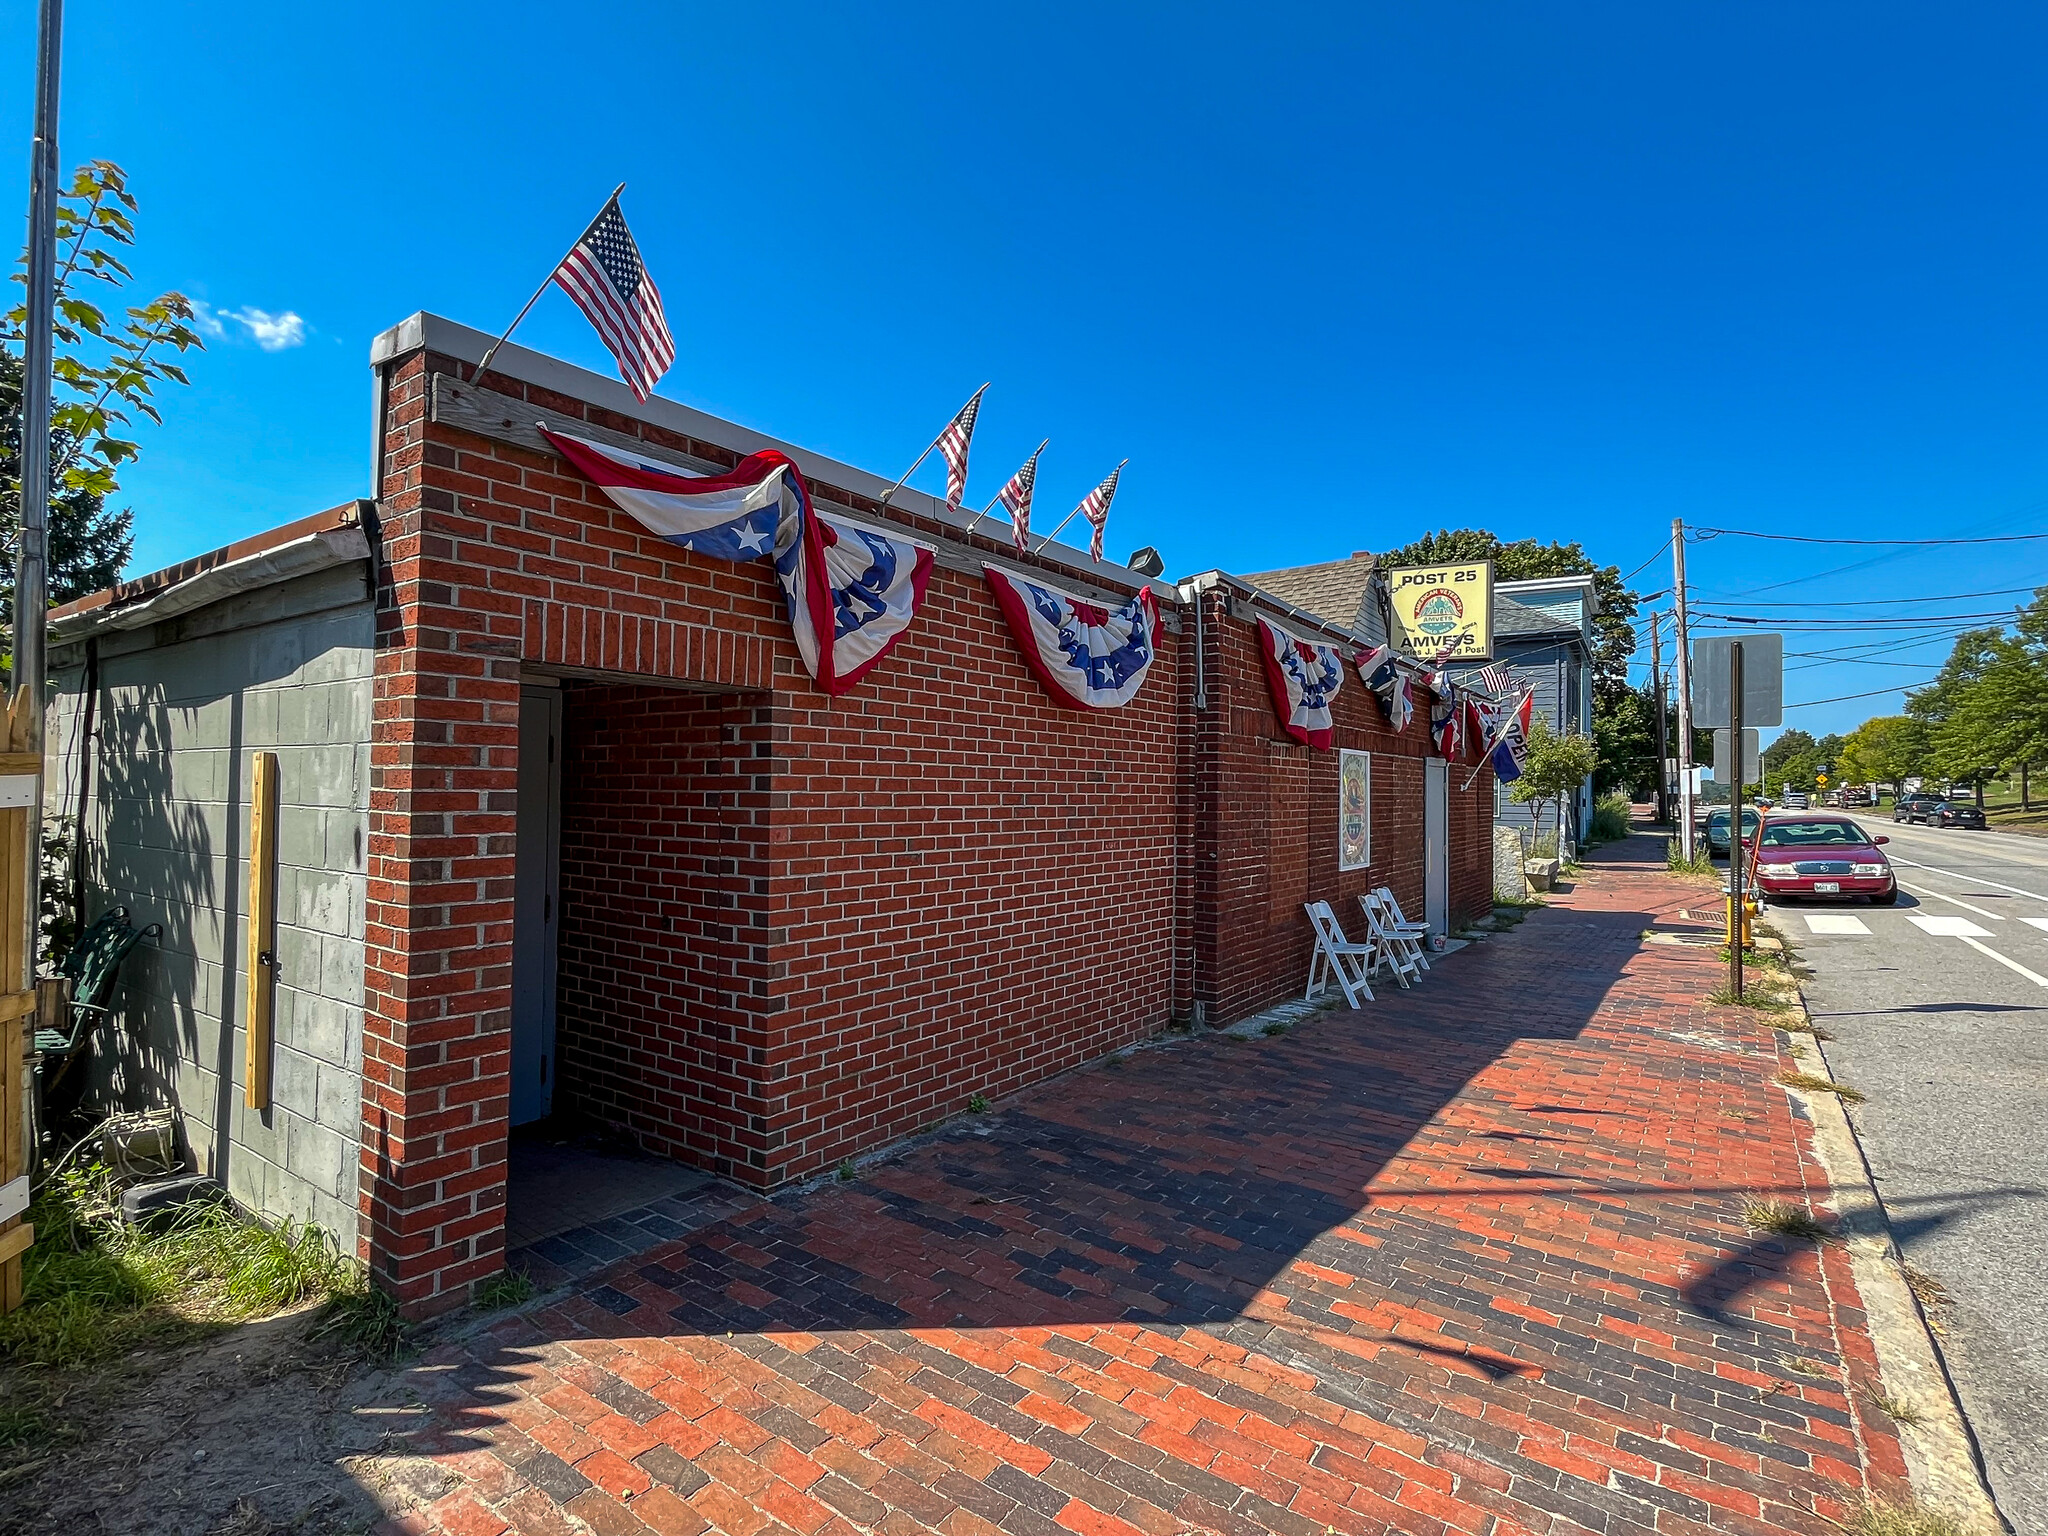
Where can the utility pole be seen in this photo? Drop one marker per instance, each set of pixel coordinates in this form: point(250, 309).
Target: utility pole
point(1684, 644)
point(1657, 703)
point(1737, 848)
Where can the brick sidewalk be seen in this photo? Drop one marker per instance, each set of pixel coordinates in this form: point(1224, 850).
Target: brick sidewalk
point(1468, 1260)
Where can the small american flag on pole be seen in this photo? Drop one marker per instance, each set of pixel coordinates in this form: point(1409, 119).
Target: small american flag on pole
point(1494, 678)
point(1095, 507)
point(603, 273)
point(953, 445)
point(1016, 496)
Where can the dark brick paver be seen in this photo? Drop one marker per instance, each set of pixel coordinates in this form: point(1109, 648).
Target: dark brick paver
point(1470, 1260)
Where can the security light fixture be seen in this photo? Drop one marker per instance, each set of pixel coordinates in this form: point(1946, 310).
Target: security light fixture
point(1146, 562)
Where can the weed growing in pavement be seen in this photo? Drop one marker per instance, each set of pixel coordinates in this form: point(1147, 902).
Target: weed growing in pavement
point(507, 1288)
point(1701, 863)
point(1815, 1084)
point(978, 1105)
point(1911, 1519)
point(1274, 1029)
point(1767, 999)
point(1782, 1218)
point(1800, 1366)
point(1932, 1295)
point(1897, 1409)
point(1805, 1026)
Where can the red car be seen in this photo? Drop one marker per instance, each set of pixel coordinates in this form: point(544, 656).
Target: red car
point(1810, 853)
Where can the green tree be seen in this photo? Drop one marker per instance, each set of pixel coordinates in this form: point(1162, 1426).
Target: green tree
point(1626, 739)
point(1555, 768)
point(1614, 632)
point(106, 373)
point(1885, 749)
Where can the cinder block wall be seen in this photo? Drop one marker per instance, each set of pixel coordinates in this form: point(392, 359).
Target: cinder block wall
point(181, 707)
point(1266, 838)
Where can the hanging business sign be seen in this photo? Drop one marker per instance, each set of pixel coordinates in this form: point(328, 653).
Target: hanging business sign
point(1354, 809)
point(1444, 613)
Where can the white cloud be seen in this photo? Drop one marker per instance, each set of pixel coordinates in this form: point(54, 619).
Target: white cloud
point(272, 332)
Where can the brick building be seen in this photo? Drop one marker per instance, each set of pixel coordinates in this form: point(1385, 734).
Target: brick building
point(566, 827)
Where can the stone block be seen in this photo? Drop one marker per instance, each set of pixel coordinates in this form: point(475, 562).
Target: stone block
point(340, 1103)
point(319, 1156)
point(1510, 883)
point(294, 1081)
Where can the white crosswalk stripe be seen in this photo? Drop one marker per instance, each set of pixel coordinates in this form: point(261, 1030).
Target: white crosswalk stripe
point(1835, 922)
point(2038, 922)
point(1943, 926)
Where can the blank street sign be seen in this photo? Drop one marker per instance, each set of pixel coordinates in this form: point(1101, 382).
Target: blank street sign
point(1724, 758)
point(1763, 680)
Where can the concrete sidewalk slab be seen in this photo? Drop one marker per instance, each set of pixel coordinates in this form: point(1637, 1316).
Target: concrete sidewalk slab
point(1471, 1259)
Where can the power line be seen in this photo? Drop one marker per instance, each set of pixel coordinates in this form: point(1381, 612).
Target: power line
point(1844, 697)
point(1702, 534)
point(1647, 563)
point(1848, 622)
point(1877, 602)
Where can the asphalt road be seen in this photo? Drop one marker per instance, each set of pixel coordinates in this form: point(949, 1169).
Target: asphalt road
point(1939, 1008)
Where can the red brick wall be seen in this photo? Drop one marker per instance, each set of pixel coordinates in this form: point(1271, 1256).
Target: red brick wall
point(950, 887)
point(1267, 826)
point(664, 971)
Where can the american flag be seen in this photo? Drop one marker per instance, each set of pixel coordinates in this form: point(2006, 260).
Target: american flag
point(603, 273)
point(1017, 497)
point(953, 444)
point(1495, 679)
point(1095, 507)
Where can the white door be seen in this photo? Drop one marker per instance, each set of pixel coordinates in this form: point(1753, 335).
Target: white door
point(535, 899)
point(1436, 844)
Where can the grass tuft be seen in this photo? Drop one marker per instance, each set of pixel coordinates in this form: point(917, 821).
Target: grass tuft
point(1806, 1027)
point(1882, 1518)
point(1274, 1029)
point(1782, 1218)
point(507, 1288)
point(1815, 1084)
point(94, 1287)
point(846, 1171)
point(1701, 862)
point(1766, 999)
point(364, 1321)
point(1799, 1365)
point(1897, 1409)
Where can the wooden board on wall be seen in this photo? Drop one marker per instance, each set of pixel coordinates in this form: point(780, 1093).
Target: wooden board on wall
point(16, 1017)
point(261, 971)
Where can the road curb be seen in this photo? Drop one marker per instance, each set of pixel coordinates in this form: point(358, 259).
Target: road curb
point(1942, 1458)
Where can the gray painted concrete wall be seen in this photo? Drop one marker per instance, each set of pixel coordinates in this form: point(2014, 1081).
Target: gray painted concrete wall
point(181, 707)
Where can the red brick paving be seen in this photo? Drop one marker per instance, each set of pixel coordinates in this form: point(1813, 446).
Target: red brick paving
point(1470, 1260)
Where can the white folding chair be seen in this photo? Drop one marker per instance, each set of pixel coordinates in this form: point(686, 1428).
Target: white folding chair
point(1396, 923)
point(1336, 957)
point(1395, 951)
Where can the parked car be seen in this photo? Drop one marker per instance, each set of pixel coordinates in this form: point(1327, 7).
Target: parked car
point(1717, 829)
point(1795, 855)
point(1914, 807)
point(1954, 813)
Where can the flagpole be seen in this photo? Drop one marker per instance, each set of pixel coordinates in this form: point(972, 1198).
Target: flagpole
point(905, 476)
point(492, 350)
point(1075, 513)
point(984, 512)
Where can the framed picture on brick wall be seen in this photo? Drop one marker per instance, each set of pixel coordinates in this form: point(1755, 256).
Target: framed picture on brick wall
point(1354, 809)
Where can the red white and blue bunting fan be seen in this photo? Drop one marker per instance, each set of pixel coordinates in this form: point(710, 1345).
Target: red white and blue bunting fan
point(856, 584)
point(1379, 671)
point(1446, 714)
point(852, 589)
point(1088, 656)
point(732, 516)
point(1305, 678)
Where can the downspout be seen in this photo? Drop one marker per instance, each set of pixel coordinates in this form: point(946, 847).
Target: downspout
point(1191, 593)
point(380, 396)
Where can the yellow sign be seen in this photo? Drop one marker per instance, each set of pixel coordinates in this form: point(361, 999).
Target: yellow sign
point(1444, 612)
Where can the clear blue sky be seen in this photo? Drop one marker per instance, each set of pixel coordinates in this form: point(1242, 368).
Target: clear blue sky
point(1329, 277)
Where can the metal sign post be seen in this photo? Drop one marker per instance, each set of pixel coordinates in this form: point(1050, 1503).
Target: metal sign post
point(1735, 848)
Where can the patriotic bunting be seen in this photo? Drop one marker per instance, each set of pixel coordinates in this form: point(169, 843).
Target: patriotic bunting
point(1088, 656)
point(852, 589)
point(732, 516)
point(1445, 715)
point(1304, 677)
point(1379, 671)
